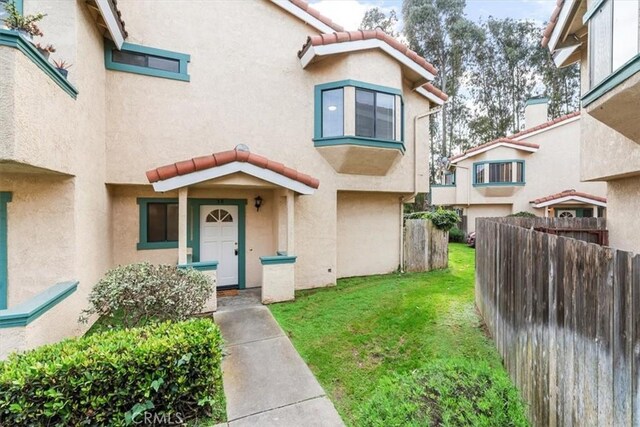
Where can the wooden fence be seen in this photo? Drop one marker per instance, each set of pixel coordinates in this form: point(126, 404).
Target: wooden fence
point(565, 316)
point(425, 247)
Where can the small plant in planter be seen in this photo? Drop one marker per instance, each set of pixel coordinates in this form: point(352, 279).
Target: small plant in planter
point(45, 50)
point(62, 67)
point(25, 25)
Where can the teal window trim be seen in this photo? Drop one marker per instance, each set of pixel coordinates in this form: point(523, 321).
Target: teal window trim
point(592, 10)
point(15, 40)
point(499, 184)
point(143, 244)
point(30, 310)
point(318, 89)
point(183, 58)
point(5, 197)
point(360, 141)
point(194, 237)
point(278, 259)
point(610, 82)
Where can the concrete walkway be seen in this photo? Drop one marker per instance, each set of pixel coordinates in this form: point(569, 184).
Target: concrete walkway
point(266, 382)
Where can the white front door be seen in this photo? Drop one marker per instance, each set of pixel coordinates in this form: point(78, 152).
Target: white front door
point(219, 241)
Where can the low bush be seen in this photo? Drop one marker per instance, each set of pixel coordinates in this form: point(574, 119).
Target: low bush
point(456, 235)
point(138, 292)
point(443, 219)
point(170, 370)
point(522, 214)
point(455, 392)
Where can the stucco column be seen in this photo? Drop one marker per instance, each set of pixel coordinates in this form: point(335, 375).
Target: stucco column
point(595, 211)
point(182, 225)
point(290, 223)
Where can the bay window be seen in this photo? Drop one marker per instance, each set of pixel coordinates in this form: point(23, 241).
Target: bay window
point(508, 172)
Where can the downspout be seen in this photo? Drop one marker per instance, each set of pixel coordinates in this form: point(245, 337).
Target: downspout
point(403, 200)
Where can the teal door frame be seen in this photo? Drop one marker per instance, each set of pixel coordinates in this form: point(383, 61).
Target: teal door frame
point(194, 230)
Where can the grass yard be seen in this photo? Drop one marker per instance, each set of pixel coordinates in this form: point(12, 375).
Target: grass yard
point(404, 349)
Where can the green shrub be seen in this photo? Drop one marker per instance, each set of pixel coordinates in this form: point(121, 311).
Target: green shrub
point(443, 219)
point(522, 214)
point(138, 292)
point(168, 369)
point(455, 392)
point(456, 235)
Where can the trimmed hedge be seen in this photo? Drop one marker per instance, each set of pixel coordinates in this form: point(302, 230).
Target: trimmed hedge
point(172, 370)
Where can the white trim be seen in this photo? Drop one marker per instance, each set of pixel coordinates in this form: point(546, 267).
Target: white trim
point(354, 46)
point(581, 199)
point(229, 168)
point(560, 23)
point(304, 16)
point(561, 55)
point(431, 97)
point(539, 131)
point(491, 147)
point(111, 20)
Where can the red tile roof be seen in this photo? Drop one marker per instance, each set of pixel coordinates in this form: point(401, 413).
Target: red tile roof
point(222, 158)
point(313, 12)
point(546, 125)
point(569, 193)
point(511, 139)
point(553, 20)
point(494, 142)
point(359, 35)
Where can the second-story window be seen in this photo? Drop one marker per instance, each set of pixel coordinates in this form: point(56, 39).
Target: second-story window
point(499, 172)
point(613, 37)
point(375, 114)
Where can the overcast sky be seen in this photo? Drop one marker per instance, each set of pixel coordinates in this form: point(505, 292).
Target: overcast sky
point(349, 13)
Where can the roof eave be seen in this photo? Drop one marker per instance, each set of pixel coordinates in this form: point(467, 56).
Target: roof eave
point(197, 177)
point(494, 146)
point(112, 21)
point(581, 199)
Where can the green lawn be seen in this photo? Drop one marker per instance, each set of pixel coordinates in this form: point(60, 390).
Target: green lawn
point(364, 338)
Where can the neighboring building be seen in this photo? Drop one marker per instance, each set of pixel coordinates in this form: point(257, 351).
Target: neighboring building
point(536, 170)
point(604, 36)
point(311, 129)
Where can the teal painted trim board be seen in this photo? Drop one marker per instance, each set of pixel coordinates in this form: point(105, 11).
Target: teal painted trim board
point(612, 81)
point(535, 101)
point(318, 89)
point(200, 266)
point(597, 5)
point(194, 237)
point(442, 185)
point(5, 197)
point(16, 41)
point(278, 259)
point(359, 140)
point(498, 184)
point(183, 58)
point(143, 244)
point(28, 311)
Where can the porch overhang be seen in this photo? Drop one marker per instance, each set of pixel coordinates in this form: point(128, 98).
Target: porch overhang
point(569, 197)
point(240, 160)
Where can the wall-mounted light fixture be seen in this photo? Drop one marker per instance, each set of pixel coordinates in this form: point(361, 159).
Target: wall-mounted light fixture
point(258, 203)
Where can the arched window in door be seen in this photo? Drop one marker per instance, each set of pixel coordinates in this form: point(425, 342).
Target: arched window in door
point(219, 215)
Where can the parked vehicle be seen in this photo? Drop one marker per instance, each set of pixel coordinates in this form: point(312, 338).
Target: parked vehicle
point(471, 239)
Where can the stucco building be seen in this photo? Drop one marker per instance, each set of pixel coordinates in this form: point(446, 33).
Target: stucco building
point(536, 170)
point(604, 37)
point(264, 141)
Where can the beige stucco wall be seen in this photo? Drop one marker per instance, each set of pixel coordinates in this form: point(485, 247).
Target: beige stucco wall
point(368, 233)
point(623, 204)
point(59, 225)
point(278, 283)
point(484, 211)
point(555, 167)
point(260, 97)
